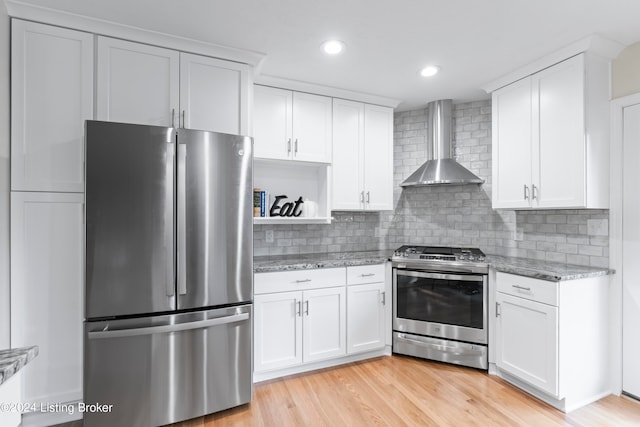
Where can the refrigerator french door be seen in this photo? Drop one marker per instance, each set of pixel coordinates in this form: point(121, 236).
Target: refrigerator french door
point(169, 283)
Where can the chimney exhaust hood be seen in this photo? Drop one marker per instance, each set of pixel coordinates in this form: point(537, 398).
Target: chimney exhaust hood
point(440, 168)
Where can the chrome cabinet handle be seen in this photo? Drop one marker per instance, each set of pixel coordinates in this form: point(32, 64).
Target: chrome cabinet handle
point(526, 192)
point(498, 312)
point(384, 298)
point(289, 146)
point(306, 304)
point(367, 274)
point(173, 117)
point(303, 281)
point(521, 287)
point(299, 308)
point(362, 197)
point(533, 192)
point(295, 144)
point(184, 123)
point(368, 197)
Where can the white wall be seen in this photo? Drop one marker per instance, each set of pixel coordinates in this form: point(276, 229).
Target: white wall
point(4, 178)
point(625, 72)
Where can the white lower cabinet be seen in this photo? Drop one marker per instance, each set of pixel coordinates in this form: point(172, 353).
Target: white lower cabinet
point(278, 330)
point(324, 324)
point(307, 319)
point(47, 288)
point(296, 327)
point(527, 339)
point(551, 337)
point(366, 300)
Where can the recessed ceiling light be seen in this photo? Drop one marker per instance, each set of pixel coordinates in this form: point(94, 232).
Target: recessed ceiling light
point(332, 47)
point(429, 70)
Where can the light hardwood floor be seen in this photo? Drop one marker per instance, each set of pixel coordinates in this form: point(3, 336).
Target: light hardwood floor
point(403, 391)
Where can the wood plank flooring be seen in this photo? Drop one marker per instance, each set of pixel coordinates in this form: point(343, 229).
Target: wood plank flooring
point(404, 391)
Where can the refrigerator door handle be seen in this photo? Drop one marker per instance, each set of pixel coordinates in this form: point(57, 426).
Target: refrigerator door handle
point(182, 210)
point(122, 333)
point(168, 221)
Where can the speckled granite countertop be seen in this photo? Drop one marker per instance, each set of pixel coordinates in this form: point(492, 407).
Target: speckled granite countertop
point(544, 270)
point(265, 264)
point(14, 359)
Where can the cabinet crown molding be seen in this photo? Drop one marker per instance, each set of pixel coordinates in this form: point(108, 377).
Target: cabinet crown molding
point(593, 44)
point(30, 12)
point(315, 89)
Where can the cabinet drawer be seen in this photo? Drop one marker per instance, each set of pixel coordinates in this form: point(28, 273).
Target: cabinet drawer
point(365, 274)
point(525, 287)
point(298, 280)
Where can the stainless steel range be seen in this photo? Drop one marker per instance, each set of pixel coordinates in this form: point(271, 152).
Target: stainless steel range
point(440, 304)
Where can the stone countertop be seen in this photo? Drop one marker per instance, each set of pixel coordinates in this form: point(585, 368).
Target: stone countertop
point(14, 359)
point(265, 264)
point(544, 270)
point(537, 269)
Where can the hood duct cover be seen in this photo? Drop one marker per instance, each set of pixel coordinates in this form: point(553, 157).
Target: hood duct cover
point(440, 168)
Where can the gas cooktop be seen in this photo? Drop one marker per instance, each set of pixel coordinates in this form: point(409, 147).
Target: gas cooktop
point(438, 253)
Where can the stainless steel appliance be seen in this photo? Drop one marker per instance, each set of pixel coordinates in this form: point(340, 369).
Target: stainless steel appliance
point(440, 304)
point(440, 168)
point(169, 278)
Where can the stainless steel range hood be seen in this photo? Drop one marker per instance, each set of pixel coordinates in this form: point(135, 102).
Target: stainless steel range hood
point(440, 168)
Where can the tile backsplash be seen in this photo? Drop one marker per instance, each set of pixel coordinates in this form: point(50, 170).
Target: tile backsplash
point(450, 215)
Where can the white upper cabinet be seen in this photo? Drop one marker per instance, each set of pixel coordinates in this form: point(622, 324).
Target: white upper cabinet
point(550, 137)
point(362, 156)
point(272, 122)
point(311, 127)
point(137, 83)
point(51, 97)
point(214, 94)
point(512, 145)
point(149, 85)
point(348, 159)
point(378, 157)
point(291, 125)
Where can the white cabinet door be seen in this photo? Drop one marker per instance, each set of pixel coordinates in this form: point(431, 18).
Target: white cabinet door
point(527, 341)
point(631, 249)
point(272, 123)
point(324, 323)
point(559, 157)
point(278, 330)
point(214, 94)
point(347, 166)
point(47, 287)
point(137, 83)
point(311, 127)
point(512, 139)
point(51, 97)
point(365, 317)
point(378, 157)
point(362, 156)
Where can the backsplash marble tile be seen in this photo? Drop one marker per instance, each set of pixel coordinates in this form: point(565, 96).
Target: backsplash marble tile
point(450, 215)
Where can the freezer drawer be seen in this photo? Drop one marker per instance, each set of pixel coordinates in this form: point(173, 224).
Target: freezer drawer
point(164, 369)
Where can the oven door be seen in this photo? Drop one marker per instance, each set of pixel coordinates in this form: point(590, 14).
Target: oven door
point(443, 305)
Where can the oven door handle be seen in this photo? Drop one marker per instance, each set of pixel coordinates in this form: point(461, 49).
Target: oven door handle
point(443, 276)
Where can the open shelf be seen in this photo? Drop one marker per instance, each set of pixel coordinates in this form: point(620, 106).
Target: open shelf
point(311, 181)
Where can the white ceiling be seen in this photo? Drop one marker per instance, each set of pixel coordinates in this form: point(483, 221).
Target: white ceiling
point(388, 42)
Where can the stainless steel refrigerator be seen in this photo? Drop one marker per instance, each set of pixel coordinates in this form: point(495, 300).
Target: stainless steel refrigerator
point(169, 278)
